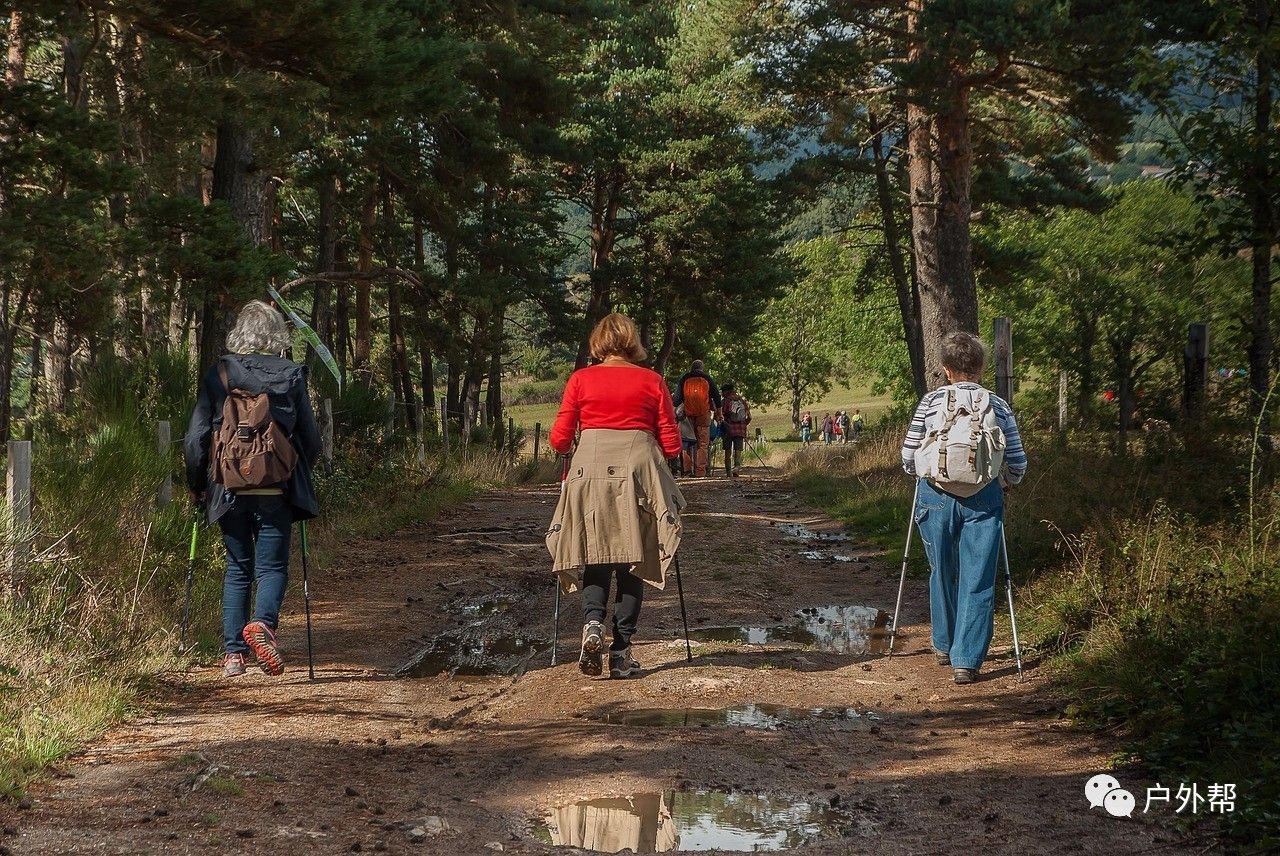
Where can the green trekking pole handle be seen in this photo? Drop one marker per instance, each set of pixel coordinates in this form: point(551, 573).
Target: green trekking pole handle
point(191, 570)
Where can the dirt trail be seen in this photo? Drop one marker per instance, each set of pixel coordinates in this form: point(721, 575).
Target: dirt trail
point(362, 760)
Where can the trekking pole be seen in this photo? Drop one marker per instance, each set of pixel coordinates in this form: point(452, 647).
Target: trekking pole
point(555, 624)
point(306, 603)
point(191, 573)
point(1008, 588)
point(684, 616)
point(902, 579)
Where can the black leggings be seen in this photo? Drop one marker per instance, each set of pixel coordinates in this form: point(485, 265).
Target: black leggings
point(626, 607)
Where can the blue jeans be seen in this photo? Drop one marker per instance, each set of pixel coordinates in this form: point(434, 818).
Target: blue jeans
point(962, 540)
point(256, 532)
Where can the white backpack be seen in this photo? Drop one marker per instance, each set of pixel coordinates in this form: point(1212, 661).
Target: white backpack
point(963, 448)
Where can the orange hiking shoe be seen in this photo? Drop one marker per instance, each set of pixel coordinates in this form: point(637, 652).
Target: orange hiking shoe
point(262, 642)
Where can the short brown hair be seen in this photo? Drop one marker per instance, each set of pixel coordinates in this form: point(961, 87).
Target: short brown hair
point(964, 354)
point(616, 336)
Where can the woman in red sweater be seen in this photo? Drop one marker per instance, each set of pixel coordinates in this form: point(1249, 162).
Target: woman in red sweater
point(619, 509)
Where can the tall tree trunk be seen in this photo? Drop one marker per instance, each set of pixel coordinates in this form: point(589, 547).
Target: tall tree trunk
point(493, 398)
point(668, 343)
point(326, 262)
point(453, 392)
point(898, 267)
point(57, 365)
point(941, 155)
point(429, 403)
point(606, 198)
point(1263, 216)
point(364, 288)
point(239, 182)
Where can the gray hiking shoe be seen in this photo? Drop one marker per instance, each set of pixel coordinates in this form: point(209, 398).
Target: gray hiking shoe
point(591, 660)
point(233, 665)
point(965, 676)
point(622, 664)
point(942, 659)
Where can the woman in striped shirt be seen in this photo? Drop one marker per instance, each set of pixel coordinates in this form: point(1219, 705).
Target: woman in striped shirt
point(962, 534)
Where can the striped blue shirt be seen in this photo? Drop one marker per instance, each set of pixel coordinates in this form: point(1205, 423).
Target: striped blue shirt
point(1015, 457)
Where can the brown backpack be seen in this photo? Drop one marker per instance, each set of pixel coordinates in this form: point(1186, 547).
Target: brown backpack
point(250, 450)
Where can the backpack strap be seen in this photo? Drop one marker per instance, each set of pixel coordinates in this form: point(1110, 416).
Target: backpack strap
point(222, 376)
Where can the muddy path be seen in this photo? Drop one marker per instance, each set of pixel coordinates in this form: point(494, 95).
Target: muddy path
point(403, 744)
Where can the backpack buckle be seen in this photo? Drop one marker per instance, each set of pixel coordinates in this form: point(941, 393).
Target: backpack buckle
point(244, 433)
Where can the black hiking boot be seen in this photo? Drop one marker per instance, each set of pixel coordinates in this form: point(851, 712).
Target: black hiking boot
point(622, 664)
point(965, 676)
point(942, 659)
point(591, 660)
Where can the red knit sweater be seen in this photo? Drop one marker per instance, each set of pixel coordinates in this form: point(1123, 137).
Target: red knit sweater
point(621, 397)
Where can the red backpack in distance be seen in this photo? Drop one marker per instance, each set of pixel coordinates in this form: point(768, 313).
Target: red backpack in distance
point(697, 397)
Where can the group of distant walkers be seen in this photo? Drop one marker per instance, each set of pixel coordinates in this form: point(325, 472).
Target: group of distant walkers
point(253, 439)
point(838, 427)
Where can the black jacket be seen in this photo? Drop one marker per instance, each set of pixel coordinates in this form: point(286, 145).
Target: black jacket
point(678, 397)
point(285, 383)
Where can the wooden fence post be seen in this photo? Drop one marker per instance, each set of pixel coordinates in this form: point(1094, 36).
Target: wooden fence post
point(1195, 370)
point(18, 495)
point(511, 436)
point(1003, 335)
point(326, 434)
point(537, 440)
point(165, 494)
point(444, 425)
point(389, 428)
point(422, 440)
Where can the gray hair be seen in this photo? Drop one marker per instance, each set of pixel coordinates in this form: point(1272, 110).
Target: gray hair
point(964, 354)
point(698, 366)
point(259, 329)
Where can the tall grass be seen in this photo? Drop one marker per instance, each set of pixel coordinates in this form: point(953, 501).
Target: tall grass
point(1141, 589)
point(99, 614)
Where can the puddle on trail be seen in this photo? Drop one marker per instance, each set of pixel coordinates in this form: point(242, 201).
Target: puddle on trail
point(474, 656)
point(487, 645)
point(766, 716)
point(800, 532)
point(691, 820)
point(830, 629)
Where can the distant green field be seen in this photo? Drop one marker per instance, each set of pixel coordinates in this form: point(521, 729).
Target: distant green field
point(775, 422)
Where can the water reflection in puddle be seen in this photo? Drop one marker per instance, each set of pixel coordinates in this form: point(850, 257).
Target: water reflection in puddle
point(691, 820)
point(831, 629)
point(766, 716)
point(799, 532)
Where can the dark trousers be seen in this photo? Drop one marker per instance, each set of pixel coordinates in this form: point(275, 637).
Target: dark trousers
point(255, 531)
point(626, 606)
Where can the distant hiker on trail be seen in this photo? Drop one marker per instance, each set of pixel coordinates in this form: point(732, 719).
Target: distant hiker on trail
point(857, 423)
point(737, 416)
point(828, 429)
point(249, 449)
point(806, 428)
point(962, 444)
point(619, 510)
point(842, 426)
point(701, 399)
point(688, 441)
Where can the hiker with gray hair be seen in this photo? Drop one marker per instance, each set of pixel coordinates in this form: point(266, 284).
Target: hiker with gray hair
point(964, 449)
point(249, 449)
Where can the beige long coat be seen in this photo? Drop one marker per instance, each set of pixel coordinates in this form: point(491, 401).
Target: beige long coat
point(619, 505)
